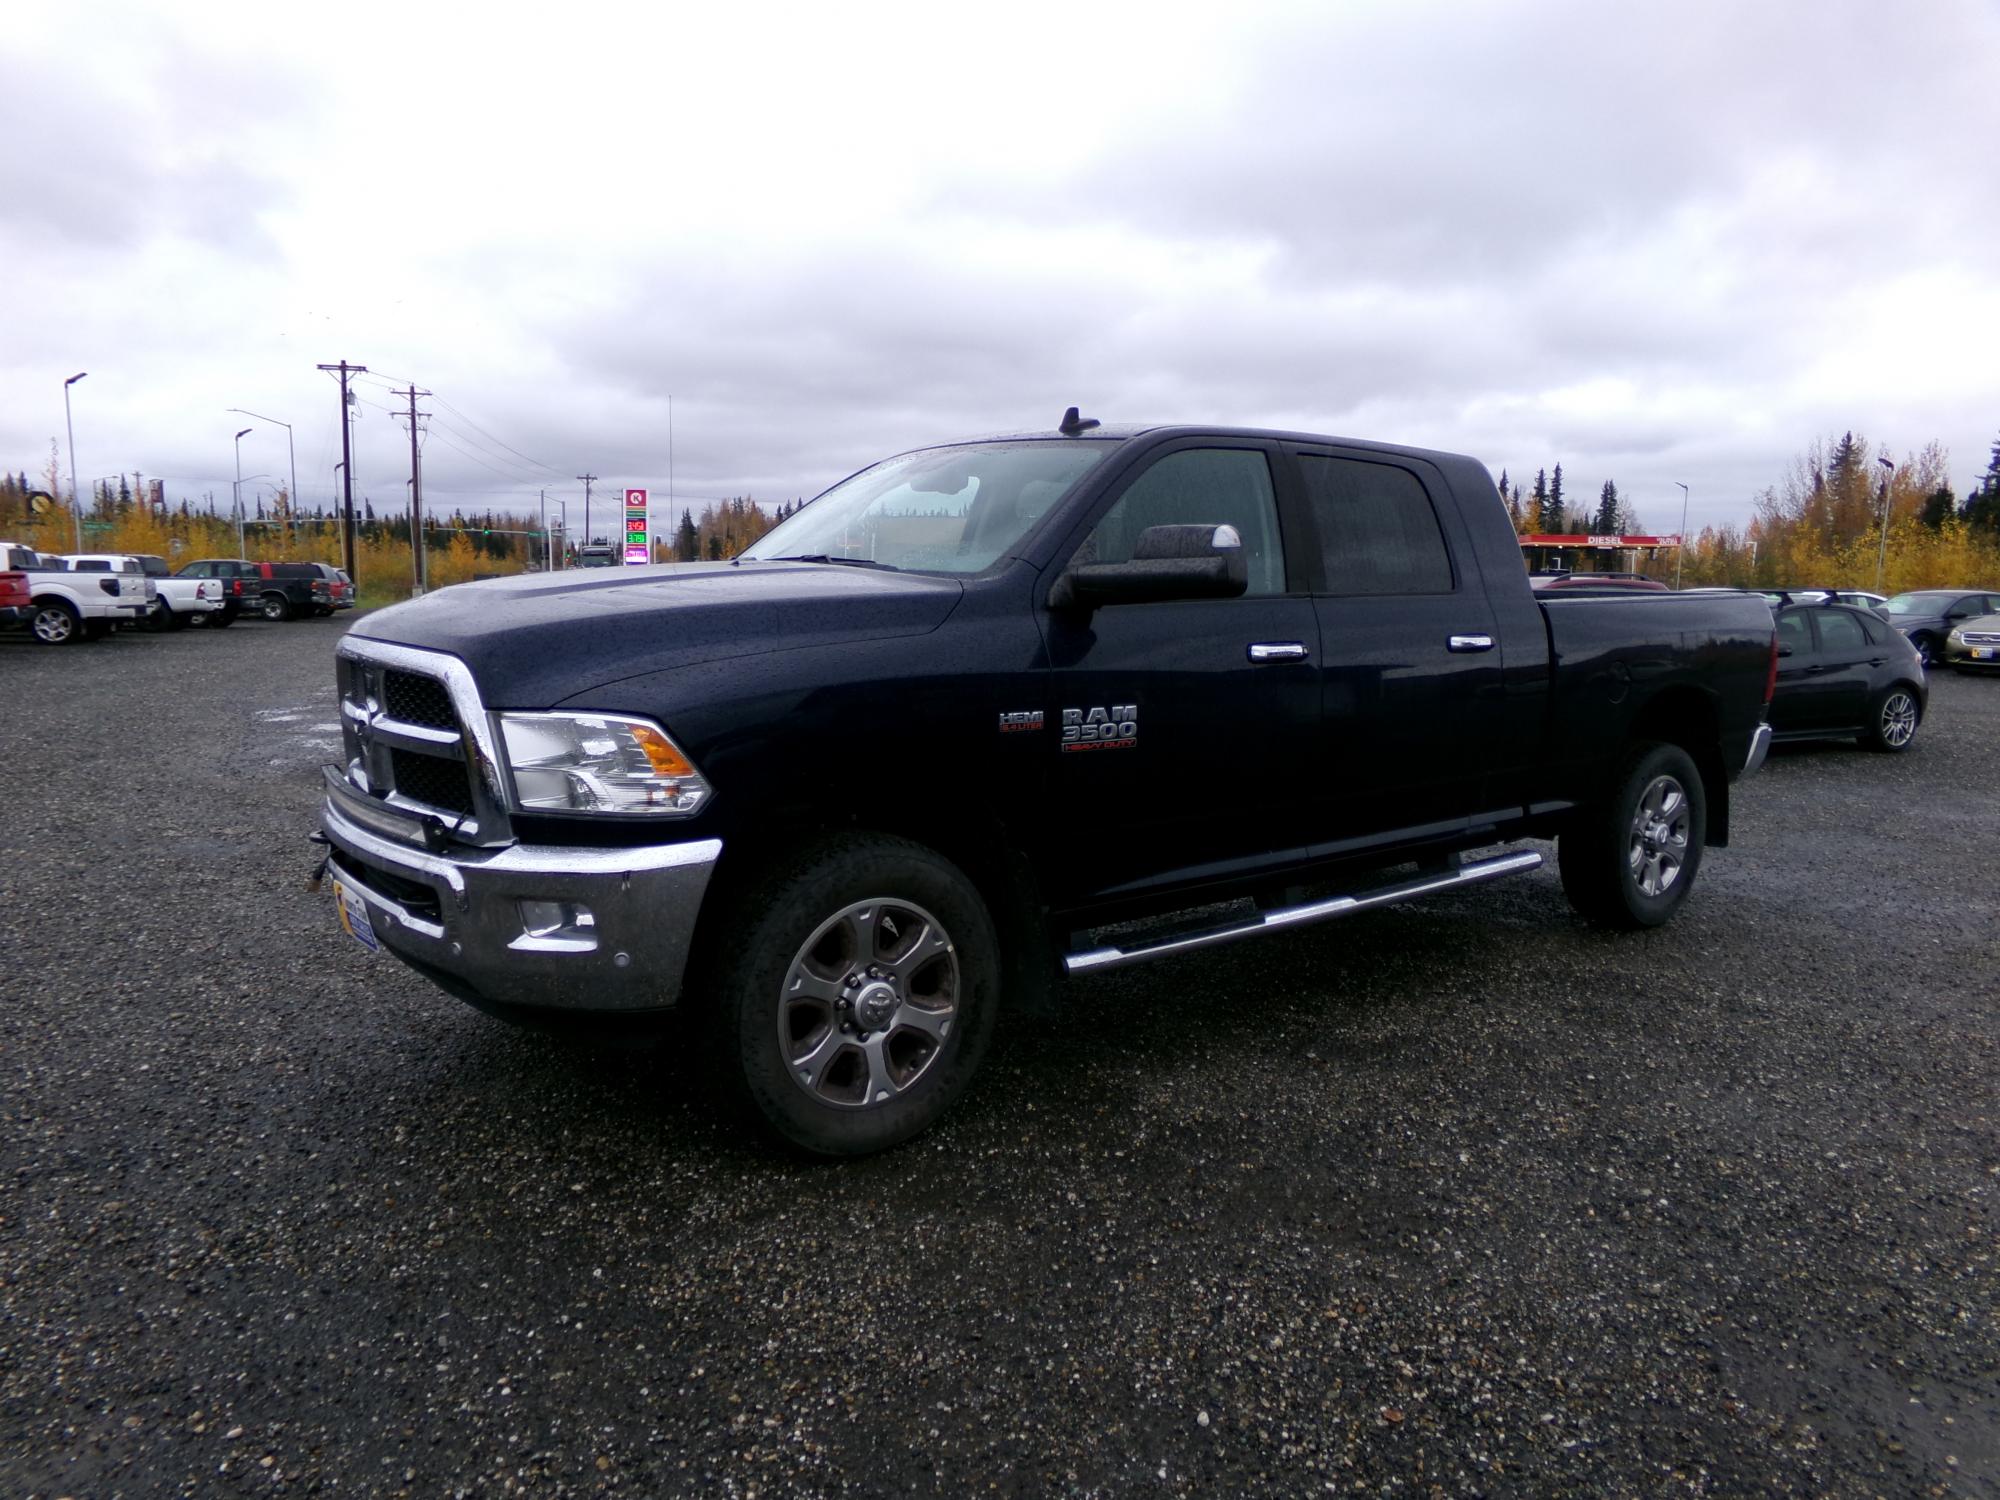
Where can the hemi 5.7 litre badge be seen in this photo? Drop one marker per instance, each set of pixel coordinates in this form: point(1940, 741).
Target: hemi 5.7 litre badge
point(1113, 728)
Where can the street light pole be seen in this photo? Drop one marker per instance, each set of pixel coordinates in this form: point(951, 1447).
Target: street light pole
point(1882, 553)
point(69, 424)
point(291, 499)
point(237, 492)
point(1681, 552)
point(565, 530)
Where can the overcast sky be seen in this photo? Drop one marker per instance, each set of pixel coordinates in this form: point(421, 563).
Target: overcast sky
point(1652, 243)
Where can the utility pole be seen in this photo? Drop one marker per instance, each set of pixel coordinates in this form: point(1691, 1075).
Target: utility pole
point(1681, 552)
point(347, 463)
point(75, 505)
point(586, 478)
point(1882, 556)
point(416, 485)
point(548, 552)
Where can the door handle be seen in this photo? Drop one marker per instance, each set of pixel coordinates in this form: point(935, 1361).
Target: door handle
point(1264, 651)
point(1470, 643)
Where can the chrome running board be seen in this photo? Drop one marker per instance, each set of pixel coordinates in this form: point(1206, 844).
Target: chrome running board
point(1090, 961)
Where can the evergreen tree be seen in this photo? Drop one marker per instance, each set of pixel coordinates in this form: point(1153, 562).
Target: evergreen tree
point(1608, 521)
point(687, 545)
point(714, 547)
point(1940, 504)
point(1558, 519)
point(1981, 511)
point(1538, 504)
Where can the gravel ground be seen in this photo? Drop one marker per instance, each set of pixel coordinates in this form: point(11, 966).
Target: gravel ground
point(1455, 1199)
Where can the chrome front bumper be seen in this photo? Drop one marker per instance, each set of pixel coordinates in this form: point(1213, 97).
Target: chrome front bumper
point(475, 919)
point(1760, 746)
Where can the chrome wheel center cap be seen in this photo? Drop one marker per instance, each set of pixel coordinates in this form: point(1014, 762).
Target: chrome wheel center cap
point(874, 1006)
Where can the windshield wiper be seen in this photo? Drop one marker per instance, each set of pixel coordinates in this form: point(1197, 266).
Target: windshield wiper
point(821, 557)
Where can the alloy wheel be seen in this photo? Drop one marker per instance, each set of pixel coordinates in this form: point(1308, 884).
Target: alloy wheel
point(868, 1003)
point(1659, 845)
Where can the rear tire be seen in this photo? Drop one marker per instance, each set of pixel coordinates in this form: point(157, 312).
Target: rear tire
point(1892, 720)
point(159, 619)
point(220, 619)
point(55, 623)
point(852, 992)
point(1629, 859)
point(275, 607)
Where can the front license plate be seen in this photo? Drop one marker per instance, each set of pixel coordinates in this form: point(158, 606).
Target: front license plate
point(354, 917)
point(1984, 653)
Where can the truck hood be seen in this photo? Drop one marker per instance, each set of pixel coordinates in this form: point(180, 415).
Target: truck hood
point(537, 638)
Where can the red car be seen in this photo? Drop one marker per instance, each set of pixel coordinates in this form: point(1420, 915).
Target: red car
point(16, 603)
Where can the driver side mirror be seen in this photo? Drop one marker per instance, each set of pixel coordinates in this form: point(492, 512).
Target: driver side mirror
point(1168, 562)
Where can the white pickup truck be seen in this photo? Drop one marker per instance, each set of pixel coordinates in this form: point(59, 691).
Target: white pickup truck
point(179, 602)
point(68, 607)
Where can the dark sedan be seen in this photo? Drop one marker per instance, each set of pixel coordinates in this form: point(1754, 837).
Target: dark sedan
point(1845, 674)
point(1927, 616)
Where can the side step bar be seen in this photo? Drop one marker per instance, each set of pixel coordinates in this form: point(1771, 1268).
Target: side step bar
point(1093, 960)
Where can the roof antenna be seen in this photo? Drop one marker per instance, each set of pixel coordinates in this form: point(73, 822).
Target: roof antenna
point(1073, 423)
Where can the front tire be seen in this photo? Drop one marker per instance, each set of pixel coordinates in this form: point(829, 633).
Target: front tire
point(1927, 650)
point(1630, 858)
point(854, 988)
point(1892, 720)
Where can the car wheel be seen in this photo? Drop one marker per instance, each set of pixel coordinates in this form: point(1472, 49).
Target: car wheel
point(276, 607)
point(1926, 650)
point(159, 618)
point(220, 619)
point(1892, 720)
point(853, 991)
point(175, 619)
point(1630, 858)
point(55, 623)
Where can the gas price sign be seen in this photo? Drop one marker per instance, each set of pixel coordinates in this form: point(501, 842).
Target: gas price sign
point(638, 538)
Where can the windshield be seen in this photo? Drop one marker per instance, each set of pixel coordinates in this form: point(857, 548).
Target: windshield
point(938, 510)
point(1919, 604)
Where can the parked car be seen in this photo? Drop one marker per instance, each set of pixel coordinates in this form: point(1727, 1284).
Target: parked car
point(1927, 616)
point(67, 607)
point(16, 600)
point(895, 765)
point(1974, 645)
point(271, 590)
point(1860, 598)
point(1843, 673)
point(1606, 583)
point(340, 588)
point(177, 601)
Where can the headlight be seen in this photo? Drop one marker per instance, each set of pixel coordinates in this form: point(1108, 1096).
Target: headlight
point(598, 763)
point(1957, 636)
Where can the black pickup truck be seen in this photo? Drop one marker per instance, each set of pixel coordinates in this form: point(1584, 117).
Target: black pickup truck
point(908, 758)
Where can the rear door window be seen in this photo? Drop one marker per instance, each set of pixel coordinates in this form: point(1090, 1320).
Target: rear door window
point(1840, 631)
point(1378, 531)
point(1795, 632)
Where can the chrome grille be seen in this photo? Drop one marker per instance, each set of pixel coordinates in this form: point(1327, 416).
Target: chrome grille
point(1981, 637)
point(417, 737)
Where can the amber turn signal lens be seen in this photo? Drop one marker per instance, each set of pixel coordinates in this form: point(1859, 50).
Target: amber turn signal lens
point(660, 751)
